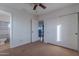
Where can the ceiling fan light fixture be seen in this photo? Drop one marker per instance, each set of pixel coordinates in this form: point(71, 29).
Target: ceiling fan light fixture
point(38, 4)
point(41, 5)
point(35, 7)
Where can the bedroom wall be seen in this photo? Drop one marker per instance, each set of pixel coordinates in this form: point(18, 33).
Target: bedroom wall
point(64, 16)
point(21, 26)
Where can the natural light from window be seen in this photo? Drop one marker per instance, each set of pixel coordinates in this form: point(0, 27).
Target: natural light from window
point(58, 33)
point(9, 26)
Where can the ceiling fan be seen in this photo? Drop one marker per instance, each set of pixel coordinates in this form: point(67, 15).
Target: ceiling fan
point(38, 4)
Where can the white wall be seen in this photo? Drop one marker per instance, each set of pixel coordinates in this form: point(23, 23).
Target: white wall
point(69, 27)
point(69, 22)
point(21, 26)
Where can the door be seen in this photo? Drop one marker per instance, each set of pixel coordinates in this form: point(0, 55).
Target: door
point(34, 30)
point(41, 30)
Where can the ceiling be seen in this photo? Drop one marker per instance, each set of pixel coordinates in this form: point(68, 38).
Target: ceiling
point(29, 7)
point(50, 7)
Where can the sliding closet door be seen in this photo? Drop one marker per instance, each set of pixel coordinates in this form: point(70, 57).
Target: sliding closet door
point(62, 31)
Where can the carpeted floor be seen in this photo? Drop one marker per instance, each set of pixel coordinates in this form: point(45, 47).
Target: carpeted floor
point(39, 49)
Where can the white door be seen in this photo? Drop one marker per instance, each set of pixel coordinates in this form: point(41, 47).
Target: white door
point(34, 30)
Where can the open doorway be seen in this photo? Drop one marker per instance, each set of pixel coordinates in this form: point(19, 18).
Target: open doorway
point(5, 30)
point(41, 30)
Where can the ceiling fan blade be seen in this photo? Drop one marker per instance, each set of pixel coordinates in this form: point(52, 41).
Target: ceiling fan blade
point(35, 7)
point(41, 5)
